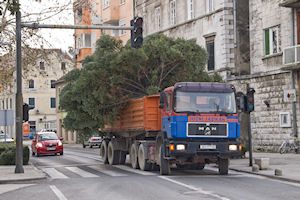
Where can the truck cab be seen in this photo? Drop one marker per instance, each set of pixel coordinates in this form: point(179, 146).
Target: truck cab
point(200, 124)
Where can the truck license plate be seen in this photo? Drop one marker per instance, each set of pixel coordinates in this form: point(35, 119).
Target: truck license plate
point(208, 146)
point(51, 149)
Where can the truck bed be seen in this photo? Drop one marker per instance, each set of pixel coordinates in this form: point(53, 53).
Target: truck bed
point(138, 116)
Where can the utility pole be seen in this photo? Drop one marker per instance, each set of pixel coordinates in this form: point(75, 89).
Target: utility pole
point(19, 98)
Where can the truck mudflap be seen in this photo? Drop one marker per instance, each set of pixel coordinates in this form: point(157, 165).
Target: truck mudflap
point(227, 149)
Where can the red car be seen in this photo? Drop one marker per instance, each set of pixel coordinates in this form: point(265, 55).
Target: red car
point(47, 143)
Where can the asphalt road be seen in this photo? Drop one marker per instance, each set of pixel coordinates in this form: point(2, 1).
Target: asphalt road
point(80, 174)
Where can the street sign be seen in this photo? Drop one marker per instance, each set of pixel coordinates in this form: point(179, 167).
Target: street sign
point(289, 95)
point(6, 117)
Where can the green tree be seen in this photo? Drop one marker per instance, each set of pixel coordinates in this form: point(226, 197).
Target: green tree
point(114, 74)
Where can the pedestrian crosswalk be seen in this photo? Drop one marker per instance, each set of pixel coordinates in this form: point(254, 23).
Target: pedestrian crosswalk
point(92, 171)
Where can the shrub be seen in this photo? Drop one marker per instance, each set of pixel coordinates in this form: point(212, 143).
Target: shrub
point(8, 154)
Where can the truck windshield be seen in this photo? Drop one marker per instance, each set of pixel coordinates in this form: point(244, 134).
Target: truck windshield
point(204, 102)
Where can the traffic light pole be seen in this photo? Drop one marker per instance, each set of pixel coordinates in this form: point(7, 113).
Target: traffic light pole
point(249, 132)
point(19, 98)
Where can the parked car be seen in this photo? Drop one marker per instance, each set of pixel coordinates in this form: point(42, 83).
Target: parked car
point(7, 140)
point(46, 143)
point(93, 141)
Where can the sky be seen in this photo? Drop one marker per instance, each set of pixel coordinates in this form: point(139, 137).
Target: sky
point(47, 9)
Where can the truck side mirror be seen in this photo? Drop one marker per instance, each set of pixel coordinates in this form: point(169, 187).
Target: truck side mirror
point(162, 100)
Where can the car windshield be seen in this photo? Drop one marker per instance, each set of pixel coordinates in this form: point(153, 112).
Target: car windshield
point(204, 102)
point(47, 136)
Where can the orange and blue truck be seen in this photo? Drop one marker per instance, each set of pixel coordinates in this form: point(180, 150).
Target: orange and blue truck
point(188, 125)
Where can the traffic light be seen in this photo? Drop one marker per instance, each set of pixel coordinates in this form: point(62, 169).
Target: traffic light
point(137, 32)
point(250, 99)
point(26, 109)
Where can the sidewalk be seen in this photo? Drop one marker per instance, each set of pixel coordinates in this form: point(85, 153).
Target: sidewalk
point(289, 164)
point(8, 175)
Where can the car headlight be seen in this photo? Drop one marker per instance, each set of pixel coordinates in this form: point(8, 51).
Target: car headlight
point(39, 144)
point(180, 147)
point(60, 143)
point(232, 147)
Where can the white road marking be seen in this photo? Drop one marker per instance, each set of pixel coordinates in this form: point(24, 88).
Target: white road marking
point(106, 171)
point(53, 173)
point(137, 171)
point(81, 172)
point(199, 190)
point(58, 193)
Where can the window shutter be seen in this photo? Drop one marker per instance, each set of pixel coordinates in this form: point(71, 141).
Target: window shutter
point(267, 42)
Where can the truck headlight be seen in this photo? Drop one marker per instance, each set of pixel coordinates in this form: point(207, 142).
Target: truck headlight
point(233, 147)
point(180, 147)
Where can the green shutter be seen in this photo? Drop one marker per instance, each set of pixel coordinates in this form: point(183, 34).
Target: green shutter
point(267, 42)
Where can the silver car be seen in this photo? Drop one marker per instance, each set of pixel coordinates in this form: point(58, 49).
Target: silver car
point(7, 139)
point(93, 141)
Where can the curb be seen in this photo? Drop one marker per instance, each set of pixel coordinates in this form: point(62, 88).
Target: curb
point(22, 180)
point(268, 176)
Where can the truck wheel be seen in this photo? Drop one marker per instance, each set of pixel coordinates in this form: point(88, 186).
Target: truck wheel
point(83, 145)
point(164, 166)
point(122, 157)
point(133, 157)
point(90, 145)
point(144, 165)
point(223, 166)
point(33, 153)
point(113, 156)
point(103, 151)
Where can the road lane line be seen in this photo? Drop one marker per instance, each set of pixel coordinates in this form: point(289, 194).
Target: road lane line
point(200, 190)
point(53, 173)
point(106, 171)
point(58, 193)
point(137, 171)
point(81, 172)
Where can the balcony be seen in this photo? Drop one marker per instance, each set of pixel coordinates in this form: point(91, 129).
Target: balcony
point(291, 57)
point(290, 3)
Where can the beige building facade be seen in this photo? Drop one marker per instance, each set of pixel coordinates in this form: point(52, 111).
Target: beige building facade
point(39, 89)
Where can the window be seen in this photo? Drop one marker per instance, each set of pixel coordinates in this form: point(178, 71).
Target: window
point(122, 2)
point(105, 3)
point(6, 104)
point(172, 12)
point(42, 66)
point(209, 6)
point(285, 119)
point(52, 84)
point(84, 41)
point(157, 18)
point(190, 9)
point(79, 14)
point(122, 22)
point(210, 47)
point(168, 102)
point(31, 102)
point(31, 83)
point(3, 104)
point(272, 40)
point(52, 103)
point(10, 102)
point(63, 66)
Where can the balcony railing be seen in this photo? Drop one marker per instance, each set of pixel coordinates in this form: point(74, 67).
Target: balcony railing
point(290, 3)
point(291, 55)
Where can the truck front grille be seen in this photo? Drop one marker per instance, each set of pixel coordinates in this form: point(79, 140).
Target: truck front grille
point(204, 129)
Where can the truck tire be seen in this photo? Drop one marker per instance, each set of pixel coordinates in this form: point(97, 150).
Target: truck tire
point(223, 166)
point(133, 157)
point(144, 165)
point(122, 157)
point(164, 167)
point(113, 156)
point(103, 151)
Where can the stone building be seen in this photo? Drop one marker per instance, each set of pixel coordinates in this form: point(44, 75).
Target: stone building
point(220, 26)
point(274, 36)
point(38, 88)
